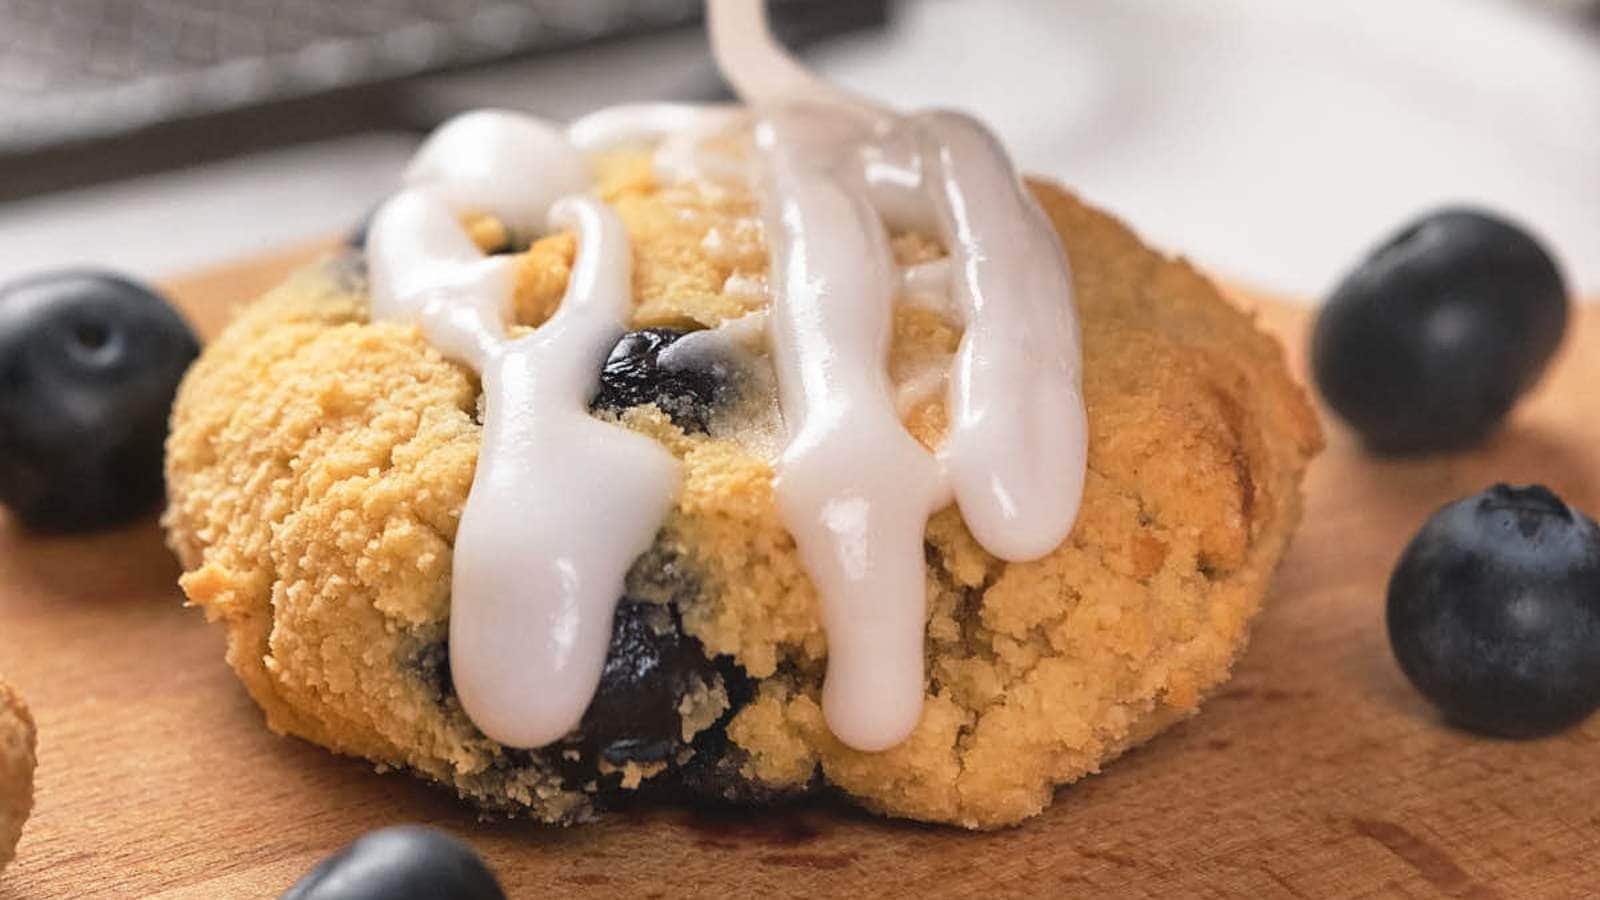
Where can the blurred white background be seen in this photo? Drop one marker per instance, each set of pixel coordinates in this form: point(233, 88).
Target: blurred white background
point(1274, 141)
point(1271, 142)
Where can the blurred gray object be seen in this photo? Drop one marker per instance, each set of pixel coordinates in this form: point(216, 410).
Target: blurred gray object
point(77, 75)
point(75, 69)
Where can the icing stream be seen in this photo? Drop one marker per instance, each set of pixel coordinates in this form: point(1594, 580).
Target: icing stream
point(1018, 435)
point(562, 503)
point(854, 488)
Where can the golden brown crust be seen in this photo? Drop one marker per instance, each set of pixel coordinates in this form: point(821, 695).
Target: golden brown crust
point(17, 761)
point(318, 464)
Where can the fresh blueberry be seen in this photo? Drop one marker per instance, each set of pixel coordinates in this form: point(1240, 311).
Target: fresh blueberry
point(1430, 341)
point(89, 363)
point(1494, 612)
point(650, 667)
point(717, 771)
point(633, 376)
point(717, 775)
point(403, 862)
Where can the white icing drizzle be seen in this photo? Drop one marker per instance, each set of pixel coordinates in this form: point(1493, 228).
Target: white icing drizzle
point(747, 331)
point(853, 487)
point(561, 503)
point(641, 123)
point(753, 421)
point(920, 384)
point(759, 69)
point(678, 130)
point(1017, 445)
point(425, 269)
point(681, 157)
point(502, 163)
point(927, 285)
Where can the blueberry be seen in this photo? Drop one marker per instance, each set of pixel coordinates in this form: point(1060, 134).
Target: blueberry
point(89, 363)
point(650, 666)
point(633, 376)
point(717, 772)
point(1494, 612)
point(403, 862)
point(1430, 341)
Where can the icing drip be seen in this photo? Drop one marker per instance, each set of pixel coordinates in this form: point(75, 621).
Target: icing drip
point(759, 69)
point(927, 285)
point(853, 488)
point(425, 269)
point(505, 164)
point(641, 123)
point(1017, 446)
point(752, 420)
point(561, 502)
point(561, 505)
point(679, 128)
point(921, 384)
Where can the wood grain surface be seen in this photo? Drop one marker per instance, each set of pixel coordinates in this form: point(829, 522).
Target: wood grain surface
point(1316, 772)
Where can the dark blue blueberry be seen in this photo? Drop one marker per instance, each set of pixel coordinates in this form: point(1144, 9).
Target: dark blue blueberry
point(633, 717)
point(716, 772)
point(403, 862)
point(89, 364)
point(1494, 612)
point(650, 667)
point(1430, 341)
point(633, 376)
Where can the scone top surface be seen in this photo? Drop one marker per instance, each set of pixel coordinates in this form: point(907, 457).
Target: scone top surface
point(319, 462)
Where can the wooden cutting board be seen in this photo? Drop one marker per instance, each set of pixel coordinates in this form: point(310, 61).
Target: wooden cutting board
point(1316, 772)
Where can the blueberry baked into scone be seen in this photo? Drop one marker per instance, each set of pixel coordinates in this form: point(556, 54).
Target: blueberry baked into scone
point(17, 762)
point(730, 454)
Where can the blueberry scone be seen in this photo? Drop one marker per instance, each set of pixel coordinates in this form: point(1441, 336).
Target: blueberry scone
point(16, 769)
point(728, 455)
